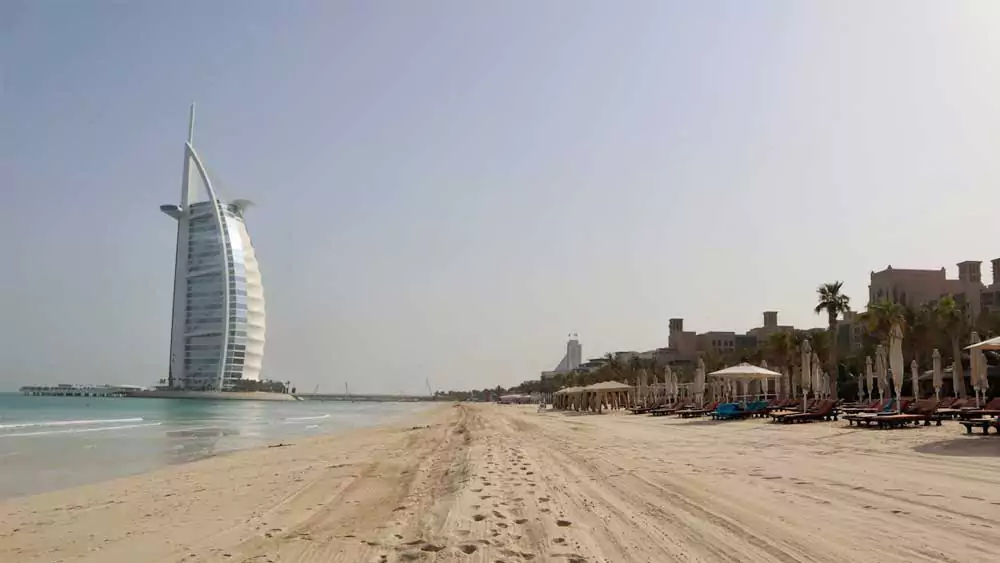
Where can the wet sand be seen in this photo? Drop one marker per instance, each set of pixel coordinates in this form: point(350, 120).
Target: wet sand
point(485, 483)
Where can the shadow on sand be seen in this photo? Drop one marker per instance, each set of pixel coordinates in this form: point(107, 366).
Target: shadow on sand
point(964, 446)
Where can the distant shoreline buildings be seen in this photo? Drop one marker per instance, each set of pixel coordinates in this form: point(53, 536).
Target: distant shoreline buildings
point(217, 327)
point(908, 287)
point(923, 287)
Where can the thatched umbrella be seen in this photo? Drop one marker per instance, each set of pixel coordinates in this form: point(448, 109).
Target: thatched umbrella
point(896, 362)
point(915, 379)
point(938, 375)
point(806, 370)
point(869, 377)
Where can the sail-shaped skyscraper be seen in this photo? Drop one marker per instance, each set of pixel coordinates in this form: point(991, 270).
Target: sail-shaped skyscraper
point(217, 333)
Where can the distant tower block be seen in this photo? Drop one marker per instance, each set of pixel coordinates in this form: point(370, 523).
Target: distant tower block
point(676, 325)
point(970, 271)
point(574, 352)
point(770, 319)
point(996, 271)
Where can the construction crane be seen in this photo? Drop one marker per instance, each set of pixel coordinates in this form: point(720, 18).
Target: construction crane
point(427, 382)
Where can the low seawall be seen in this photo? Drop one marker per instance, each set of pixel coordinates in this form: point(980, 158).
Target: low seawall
point(214, 395)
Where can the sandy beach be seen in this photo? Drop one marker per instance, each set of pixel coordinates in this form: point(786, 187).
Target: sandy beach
point(485, 483)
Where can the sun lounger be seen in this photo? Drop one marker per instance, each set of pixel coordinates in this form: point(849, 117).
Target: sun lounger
point(984, 423)
point(869, 407)
point(727, 411)
point(992, 408)
point(663, 410)
point(884, 420)
point(695, 412)
point(827, 410)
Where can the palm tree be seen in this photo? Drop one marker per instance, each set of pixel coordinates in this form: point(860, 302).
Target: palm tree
point(921, 327)
point(834, 303)
point(952, 320)
point(779, 348)
point(880, 317)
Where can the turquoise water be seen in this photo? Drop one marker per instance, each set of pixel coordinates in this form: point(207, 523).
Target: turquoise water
point(49, 443)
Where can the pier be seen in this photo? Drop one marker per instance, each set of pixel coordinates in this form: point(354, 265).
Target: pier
point(66, 390)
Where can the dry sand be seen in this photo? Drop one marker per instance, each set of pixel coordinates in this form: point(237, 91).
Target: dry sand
point(484, 483)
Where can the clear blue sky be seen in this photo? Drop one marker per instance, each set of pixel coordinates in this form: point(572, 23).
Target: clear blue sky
point(445, 189)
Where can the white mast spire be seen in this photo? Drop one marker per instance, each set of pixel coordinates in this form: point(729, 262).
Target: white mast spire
point(191, 125)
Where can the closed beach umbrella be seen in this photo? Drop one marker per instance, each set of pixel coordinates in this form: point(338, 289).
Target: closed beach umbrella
point(817, 384)
point(699, 384)
point(806, 370)
point(977, 373)
point(938, 375)
point(896, 362)
point(643, 389)
point(881, 372)
point(763, 382)
point(869, 377)
point(675, 386)
point(915, 379)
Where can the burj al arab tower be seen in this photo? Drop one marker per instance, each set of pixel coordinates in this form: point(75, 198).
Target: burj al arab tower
point(217, 332)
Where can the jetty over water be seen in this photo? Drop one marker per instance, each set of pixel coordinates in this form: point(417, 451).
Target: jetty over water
point(66, 390)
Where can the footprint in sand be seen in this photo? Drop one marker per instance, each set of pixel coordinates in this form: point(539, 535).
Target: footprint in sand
point(431, 548)
point(463, 533)
point(559, 540)
point(479, 517)
point(546, 510)
point(501, 525)
point(468, 548)
point(563, 523)
point(543, 499)
point(498, 514)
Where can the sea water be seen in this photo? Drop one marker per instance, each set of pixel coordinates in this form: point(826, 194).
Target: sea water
point(49, 443)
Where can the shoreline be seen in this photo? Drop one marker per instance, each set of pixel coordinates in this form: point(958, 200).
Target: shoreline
point(482, 483)
point(40, 458)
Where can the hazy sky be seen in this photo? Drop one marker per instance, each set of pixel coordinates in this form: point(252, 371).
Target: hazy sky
point(446, 189)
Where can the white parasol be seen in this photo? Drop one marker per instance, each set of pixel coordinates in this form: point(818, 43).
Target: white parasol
point(881, 372)
point(938, 375)
point(806, 370)
point(699, 383)
point(817, 383)
point(869, 377)
point(915, 379)
point(977, 373)
point(896, 362)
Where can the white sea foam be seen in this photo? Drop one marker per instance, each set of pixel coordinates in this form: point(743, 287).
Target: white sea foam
point(305, 418)
point(78, 430)
point(68, 423)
